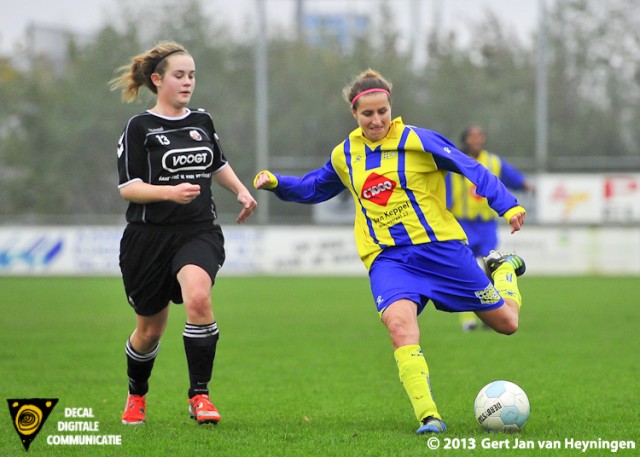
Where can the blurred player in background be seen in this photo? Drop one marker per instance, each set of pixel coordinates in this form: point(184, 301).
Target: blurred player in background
point(472, 211)
point(171, 249)
point(414, 248)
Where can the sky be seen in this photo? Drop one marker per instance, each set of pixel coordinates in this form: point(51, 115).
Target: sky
point(86, 16)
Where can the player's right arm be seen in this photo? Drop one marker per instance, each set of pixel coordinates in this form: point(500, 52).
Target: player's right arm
point(314, 187)
point(142, 193)
point(265, 180)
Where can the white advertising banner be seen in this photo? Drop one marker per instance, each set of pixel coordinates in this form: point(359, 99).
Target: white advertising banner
point(59, 250)
point(588, 198)
point(252, 250)
point(312, 250)
point(552, 251)
point(291, 250)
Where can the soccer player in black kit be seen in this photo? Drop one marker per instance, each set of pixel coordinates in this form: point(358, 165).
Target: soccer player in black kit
point(171, 249)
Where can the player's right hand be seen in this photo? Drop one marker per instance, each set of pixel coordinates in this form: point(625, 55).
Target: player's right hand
point(185, 193)
point(265, 180)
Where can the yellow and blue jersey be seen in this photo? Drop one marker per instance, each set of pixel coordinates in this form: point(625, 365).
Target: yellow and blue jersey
point(398, 186)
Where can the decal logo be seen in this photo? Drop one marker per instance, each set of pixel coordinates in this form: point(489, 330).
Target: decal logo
point(29, 415)
point(378, 189)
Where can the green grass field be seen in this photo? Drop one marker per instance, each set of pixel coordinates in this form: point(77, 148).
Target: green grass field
point(305, 368)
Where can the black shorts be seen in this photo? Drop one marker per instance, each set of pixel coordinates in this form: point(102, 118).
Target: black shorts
point(152, 256)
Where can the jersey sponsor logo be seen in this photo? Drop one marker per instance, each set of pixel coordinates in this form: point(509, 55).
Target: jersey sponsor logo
point(188, 159)
point(378, 189)
point(392, 216)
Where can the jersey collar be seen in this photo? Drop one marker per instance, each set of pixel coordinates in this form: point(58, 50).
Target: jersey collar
point(177, 118)
point(394, 131)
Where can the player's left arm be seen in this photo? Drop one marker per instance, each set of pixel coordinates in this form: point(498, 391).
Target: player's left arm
point(448, 157)
point(488, 185)
point(228, 179)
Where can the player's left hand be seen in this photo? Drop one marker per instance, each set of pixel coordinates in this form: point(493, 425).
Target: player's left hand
point(516, 222)
point(249, 205)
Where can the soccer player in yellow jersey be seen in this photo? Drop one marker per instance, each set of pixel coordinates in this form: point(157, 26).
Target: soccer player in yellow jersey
point(472, 211)
point(413, 247)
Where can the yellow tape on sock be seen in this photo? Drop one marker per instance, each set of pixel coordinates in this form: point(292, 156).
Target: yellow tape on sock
point(506, 283)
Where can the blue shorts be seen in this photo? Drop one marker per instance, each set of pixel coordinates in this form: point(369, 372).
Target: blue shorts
point(445, 272)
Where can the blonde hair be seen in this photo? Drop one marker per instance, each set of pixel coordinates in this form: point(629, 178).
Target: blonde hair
point(367, 80)
point(130, 78)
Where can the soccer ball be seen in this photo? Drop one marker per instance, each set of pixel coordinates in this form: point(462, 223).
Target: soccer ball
point(502, 406)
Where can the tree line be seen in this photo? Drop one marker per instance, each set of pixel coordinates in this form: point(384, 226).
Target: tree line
point(58, 130)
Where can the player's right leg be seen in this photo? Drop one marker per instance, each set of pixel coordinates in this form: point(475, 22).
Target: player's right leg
point(145, 257)
point(401, 321)
point(141, 350)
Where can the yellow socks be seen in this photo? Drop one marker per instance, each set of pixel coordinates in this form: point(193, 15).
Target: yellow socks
point(506, 283)
point(414, 375)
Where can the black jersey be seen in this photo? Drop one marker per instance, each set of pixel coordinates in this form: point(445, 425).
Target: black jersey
point(169, 151)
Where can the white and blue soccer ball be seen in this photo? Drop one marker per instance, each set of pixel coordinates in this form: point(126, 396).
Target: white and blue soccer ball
point(502, 406)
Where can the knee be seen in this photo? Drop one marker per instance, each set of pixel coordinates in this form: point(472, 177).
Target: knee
point(199, 298)
point(198, 304)
point(146, 338)
point(503, 319)
point(507, 326)
point(402, 332)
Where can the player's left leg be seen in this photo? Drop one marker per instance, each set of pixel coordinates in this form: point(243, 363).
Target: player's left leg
point(200, 340)
point(504, 270)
